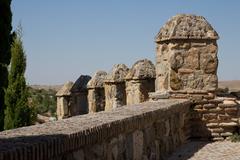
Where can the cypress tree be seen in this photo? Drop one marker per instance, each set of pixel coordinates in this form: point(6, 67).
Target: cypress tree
point(5, 55)
point(17, 112)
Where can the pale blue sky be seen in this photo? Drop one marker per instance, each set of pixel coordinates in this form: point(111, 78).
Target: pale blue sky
point(66, 38)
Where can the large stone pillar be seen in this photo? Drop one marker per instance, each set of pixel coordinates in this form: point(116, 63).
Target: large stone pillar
point(79, 93)
point(63, 100)
point(96, 95)
point(114, 85)
point(140, 80)
point(186, 58)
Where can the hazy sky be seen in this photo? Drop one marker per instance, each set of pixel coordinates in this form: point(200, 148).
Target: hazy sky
point(66, 38)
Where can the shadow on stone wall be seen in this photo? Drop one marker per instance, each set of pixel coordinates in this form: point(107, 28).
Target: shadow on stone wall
point(188, 150)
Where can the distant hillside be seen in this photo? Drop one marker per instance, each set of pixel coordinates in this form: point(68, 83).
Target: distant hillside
point(47, 87)
point(43, 99)
point(233, 85)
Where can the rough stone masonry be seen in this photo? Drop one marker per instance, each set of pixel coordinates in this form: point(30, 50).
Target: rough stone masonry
point(140, 80)
point(186, 77)
point(115, 88)
point(186, 57)
point(96, 94)
point(186, 67)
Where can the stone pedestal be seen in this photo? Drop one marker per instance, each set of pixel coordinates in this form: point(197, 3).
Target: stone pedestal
point(114, 85)
point(186, 58)
point(140, 80)
point(96, 95)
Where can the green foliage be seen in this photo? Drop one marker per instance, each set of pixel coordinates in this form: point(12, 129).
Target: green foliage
point(235, 137)
point(43, 100)
point(5, 54)
point(17, 112)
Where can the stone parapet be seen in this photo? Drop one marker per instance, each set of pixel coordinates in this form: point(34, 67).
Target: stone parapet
point(152, 129)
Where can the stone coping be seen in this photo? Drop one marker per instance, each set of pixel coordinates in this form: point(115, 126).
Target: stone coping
point(186, 26)
point(56, 138)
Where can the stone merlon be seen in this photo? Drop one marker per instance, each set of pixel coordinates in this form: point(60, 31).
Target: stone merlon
point(117, 74)
point(97, 80)
point(80, 84)
point(65, 90)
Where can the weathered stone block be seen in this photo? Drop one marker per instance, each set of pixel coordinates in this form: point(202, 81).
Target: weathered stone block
point(140, 81)
point(115, 95)
point(216, 110)
point(217, 130)
point(198, 106)
point(96, 94)
point(215, 134)
point(229, 124)
point(209, 106)
point(212, 124)
point(218, 139)
point(226, 134)
point(175, 82)
point(115, 89)
point(222, 105)
point(209, 116)
point(63, 100)
point(224, 117)
point(231, 111)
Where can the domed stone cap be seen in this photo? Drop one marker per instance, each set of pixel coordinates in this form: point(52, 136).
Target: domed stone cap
point(97, 80)
point(142, 69)
point(117, 74)
point(81, 83)
point(65, 90)
point(184, 26)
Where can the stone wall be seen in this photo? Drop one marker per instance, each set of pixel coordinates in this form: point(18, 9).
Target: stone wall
point(192, 64)
point(149, 130)
point(215, 119)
